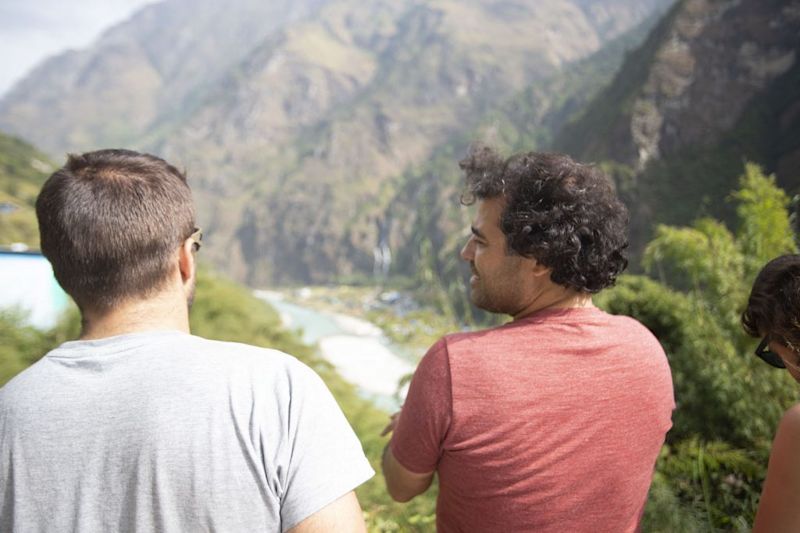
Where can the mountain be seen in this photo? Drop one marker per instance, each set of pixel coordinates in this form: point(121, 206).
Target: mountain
point(715, 84)
point(299, 121)
point(23, 170)
point(140, 73)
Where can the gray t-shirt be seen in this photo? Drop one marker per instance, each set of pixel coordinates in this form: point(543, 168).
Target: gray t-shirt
point(165, 431)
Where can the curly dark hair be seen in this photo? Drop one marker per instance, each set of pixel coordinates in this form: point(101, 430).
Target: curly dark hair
point(773, 308)
point(563, 214)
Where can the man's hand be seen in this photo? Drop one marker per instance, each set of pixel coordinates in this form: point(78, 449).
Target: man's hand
point(391, 425)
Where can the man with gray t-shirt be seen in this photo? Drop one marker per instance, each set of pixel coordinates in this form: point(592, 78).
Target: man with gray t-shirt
point(139, 425)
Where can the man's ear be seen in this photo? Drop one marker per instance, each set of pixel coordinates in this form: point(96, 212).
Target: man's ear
point(186, 262)
point(539, 269)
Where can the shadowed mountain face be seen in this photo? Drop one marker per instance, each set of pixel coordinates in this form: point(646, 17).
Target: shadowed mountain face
point(716, 83)
point(298, 120)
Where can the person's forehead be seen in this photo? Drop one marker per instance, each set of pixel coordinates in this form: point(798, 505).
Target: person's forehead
point(489, 211)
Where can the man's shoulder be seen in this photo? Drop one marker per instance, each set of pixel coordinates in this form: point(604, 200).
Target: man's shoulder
point(163, 353)
point(240, 349)
point(623, 328)
point(628, 329)
point(485, 335)
point(20, 383)
point(467, 340)
point(237, 354)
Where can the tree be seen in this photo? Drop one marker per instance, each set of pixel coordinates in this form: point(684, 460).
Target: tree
point(728, 401)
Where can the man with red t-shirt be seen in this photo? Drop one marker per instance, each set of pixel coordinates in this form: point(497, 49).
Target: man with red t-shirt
point(552, 422)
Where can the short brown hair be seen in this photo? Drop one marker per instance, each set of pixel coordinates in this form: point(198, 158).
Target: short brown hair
point(774, 306)
point(110, 222)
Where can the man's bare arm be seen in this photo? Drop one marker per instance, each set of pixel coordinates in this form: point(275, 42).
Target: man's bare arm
point(402, 483)
point(778, 509)
point(343, 515)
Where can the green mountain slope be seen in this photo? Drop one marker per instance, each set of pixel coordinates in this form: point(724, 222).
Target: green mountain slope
point(23, 170)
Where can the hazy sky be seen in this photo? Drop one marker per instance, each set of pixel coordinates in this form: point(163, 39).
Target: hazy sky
point(31, 30)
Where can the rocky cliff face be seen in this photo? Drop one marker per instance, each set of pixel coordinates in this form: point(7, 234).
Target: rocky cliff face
point(716, 83)
point(298, 120)
point(716, 57)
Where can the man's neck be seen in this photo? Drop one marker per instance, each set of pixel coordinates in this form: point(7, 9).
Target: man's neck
point(162, 312)
point(559, 298)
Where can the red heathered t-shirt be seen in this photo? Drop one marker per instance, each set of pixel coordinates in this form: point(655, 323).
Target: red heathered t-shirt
point(549, 423)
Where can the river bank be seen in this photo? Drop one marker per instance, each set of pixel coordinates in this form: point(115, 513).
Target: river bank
point(358, 349)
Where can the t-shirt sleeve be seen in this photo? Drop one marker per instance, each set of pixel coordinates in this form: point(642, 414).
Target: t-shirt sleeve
point(325, 459)
point(417, 442)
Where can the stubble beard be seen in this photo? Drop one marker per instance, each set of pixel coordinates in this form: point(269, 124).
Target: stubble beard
point(500, 296)
point(483, 299)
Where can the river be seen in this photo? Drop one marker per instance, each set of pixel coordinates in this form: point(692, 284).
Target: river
point(358, 349)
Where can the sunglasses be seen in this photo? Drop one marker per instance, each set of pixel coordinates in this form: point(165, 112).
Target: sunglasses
point(767, 355)
point(197, 239)
point(773, 359)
